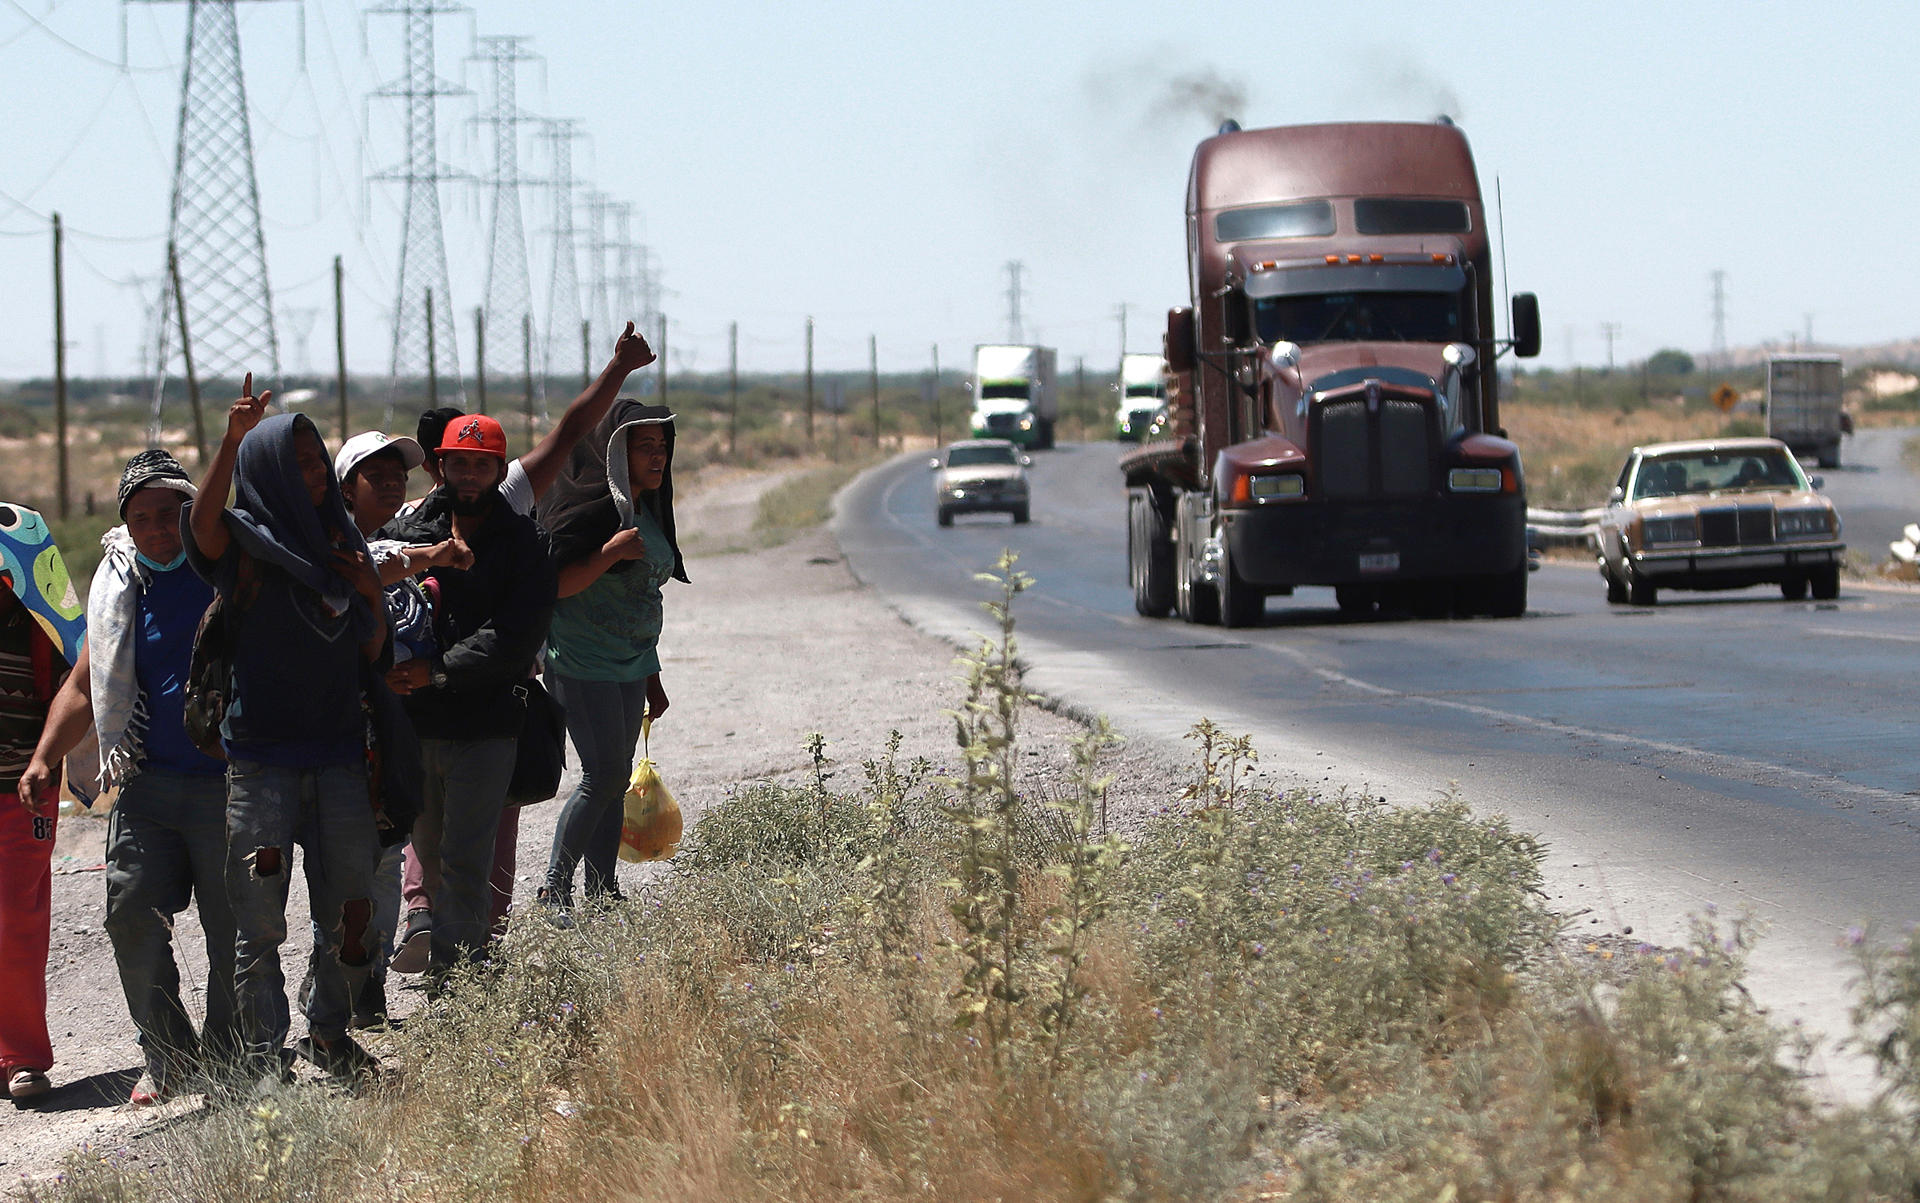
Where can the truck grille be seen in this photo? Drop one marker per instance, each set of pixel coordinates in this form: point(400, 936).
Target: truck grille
point(1729, 526)
point(1385, 455)
point(1003, 423)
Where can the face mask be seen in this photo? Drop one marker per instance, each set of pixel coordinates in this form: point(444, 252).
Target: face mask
point(157, 566)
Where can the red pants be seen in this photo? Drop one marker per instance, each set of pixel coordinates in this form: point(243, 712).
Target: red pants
point(26, 918)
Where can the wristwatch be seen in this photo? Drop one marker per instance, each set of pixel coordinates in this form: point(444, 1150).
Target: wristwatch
point(438, 677)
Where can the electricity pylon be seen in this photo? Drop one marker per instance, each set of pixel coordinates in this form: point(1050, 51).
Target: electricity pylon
point(213, 226)
point(563, 292)
point(423, 315)
point(509, 287)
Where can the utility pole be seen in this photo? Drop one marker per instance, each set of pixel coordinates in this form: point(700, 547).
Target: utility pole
point(586, 352)
point(340, 339)
point(1610, 331)
point(809, 384)
point(1719, 279)
point(733, 384)
point(660, 357)
point(433, 372)
point(60, 361)
point(480, 356)
point(423, 248)
point(1123, 329)
point(873, 378)
point(1016, 332)
point(526, 353)
point(936, 395)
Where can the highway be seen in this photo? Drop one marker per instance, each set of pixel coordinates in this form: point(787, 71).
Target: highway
point(1732, 750)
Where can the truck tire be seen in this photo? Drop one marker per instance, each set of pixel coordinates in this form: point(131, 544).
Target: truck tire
point(1149, 555)
point(1019, 513)
point(1193, 599)
point(946, 516)
point(1241, 604)
point(1825, 581)
point(1616, 590)
point(1356, 601)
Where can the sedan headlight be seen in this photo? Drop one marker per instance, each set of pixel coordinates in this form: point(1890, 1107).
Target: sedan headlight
point(1802, 523)
point(1682, 529)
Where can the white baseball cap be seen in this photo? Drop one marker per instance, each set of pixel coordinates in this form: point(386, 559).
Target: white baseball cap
point(360, 446)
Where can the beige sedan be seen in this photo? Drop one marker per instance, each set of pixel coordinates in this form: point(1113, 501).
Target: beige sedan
point(1717, 514)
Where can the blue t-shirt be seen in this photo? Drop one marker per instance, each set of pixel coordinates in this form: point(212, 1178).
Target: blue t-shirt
point(610, 631)
point(170, 610)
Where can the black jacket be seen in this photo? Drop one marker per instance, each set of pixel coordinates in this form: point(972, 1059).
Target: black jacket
point(490, 620)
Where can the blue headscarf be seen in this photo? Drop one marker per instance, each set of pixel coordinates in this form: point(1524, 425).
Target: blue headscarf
point(274, 519)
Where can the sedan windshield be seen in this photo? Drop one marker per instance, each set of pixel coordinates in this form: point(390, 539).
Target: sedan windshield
point(1717, 472)
point(1414, 317)
point(966, 457)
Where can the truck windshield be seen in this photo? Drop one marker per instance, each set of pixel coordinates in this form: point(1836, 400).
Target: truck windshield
point(997, 389)
point(1413, 317)
point(1145, 390)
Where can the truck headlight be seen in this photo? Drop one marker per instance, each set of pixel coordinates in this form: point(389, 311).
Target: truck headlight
point(1682, 529)
point(1798, 524)
point(1288, 487)
point(1026, 423)
point(1474, 480)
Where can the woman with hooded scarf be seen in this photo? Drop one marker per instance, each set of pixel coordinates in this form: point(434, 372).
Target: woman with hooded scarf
point(307, 611)
point(611, 520)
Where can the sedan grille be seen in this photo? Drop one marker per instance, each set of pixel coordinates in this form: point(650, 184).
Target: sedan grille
point(1728, 526)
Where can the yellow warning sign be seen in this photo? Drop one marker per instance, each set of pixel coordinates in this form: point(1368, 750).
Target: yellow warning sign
point(1726, 397)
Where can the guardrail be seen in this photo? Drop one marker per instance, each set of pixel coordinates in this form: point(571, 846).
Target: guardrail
point(1560, 528)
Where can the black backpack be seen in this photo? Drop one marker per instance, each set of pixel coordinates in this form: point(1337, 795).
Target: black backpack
point(210, 668)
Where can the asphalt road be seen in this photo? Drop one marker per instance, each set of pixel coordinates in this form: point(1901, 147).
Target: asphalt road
point(1727, 750)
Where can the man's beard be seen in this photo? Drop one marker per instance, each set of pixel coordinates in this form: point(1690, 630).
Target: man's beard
point(478, 506)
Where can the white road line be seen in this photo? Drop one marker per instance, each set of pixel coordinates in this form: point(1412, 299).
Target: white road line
point(1888, 636)
point(1756, 769)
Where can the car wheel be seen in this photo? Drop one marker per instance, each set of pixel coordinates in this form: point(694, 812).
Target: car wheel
point(1616, 591)
point(1019, 514)
point(1149, 556)
point(1793, 588)
point(946, 516)
point(1825, 581)
point(1640, 590)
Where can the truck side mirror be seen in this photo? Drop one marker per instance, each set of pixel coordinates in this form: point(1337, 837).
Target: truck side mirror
point(1236, 322)
point(1179, 348)
point(1526, 325)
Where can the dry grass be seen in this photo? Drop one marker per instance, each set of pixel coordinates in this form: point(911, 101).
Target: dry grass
point(1573, 455)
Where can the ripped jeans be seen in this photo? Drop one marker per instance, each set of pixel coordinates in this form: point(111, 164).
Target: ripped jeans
point(326, 811)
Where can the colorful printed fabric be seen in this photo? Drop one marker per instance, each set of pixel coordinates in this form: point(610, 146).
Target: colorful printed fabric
point(31, 566)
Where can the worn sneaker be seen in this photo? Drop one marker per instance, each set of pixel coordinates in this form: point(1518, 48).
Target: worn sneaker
point(558, 906)
point(341, 1059)
point(413, 948)
point(27, 1084)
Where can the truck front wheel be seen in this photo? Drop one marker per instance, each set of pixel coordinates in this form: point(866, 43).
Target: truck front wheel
point(1506, 593)
point(1241, 604)
point(1149, 555)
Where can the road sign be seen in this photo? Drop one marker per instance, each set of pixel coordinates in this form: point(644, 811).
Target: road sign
point(1726, 397)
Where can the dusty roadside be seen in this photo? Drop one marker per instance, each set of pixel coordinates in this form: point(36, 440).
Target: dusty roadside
point(762, 649)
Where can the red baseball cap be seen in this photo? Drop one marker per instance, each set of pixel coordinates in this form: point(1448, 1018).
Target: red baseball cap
point(474, 432)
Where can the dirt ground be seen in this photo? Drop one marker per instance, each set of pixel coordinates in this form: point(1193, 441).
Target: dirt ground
point(762, 649)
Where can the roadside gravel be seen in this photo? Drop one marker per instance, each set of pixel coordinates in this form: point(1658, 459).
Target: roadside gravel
point(764, 648)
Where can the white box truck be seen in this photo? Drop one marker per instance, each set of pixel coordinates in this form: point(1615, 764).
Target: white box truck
point(1014, 395)
point(1143, 390)
point(1803, 405)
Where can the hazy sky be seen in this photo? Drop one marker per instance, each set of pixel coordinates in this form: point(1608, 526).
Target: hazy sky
point(875, 165)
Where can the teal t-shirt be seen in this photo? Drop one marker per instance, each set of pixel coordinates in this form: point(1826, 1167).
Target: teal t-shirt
point(610, 631)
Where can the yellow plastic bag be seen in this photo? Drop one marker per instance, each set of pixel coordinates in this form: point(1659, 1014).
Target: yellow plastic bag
point(652, 825)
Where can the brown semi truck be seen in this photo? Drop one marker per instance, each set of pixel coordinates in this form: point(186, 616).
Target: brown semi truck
point(1334, 404)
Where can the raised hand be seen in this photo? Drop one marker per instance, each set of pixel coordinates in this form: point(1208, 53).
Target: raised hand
point(245, 414)
point(632, 353)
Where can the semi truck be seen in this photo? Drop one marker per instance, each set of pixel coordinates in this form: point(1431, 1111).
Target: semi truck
point(1142, 391)
point(1014, 395)
point(1332, 391)
point(1803, 405)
